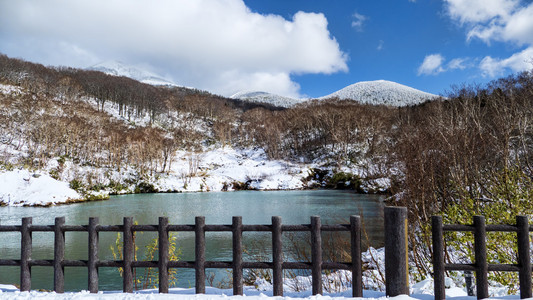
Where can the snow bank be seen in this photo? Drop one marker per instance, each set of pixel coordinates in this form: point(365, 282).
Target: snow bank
point(218, 169)
point(11, 292)
point(21, 187)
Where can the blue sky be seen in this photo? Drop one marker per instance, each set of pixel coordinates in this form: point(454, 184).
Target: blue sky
point(390, 40)
point(295, 48)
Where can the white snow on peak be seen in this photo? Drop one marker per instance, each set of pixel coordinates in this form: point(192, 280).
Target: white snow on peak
point(379, 92)
point(116, 68)
point(264, 97)
point(382, 92)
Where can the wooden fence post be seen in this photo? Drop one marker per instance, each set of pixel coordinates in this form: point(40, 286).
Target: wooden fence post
point(128, 255)
point(237, 255)
point(93, 255)
point(396, 261)
point(199, 264)
point(524, 257)
point(163, 254)
point(357, 268)
point(59, 255)
point(480, 248)
point(25, 255)
point(316, 255)
point(277, 256)
point(438, 257)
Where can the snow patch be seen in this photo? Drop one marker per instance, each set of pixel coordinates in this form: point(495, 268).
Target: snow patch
point(21, 187)
point(10, 89)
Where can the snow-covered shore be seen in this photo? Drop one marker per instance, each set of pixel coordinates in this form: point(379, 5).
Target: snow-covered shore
point(22, 187)
point(217, 169)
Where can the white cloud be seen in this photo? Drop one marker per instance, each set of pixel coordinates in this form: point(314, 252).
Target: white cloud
point(517, 62)
point(457, 63)
point(218, 45)
point(434, 64)
point(380, 45)
point(473, 11)
point(358, 21)
point(508, 21)
point(431, 65)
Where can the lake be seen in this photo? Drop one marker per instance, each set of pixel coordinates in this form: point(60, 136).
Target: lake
point(294, 207)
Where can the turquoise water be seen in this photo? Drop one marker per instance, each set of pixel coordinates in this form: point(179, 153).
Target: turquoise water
point(295, 207)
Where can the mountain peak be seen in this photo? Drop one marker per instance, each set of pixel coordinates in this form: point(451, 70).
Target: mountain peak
point(377, 92)
point(382, 92)
point(117, 68)
point(264, 97)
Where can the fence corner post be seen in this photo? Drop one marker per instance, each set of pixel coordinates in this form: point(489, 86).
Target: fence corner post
point(316, 255)
point(93, 255)
point(396, 254)
point(480, 248)
point(59, 255)
point(237, 256)
point(128, 255)
point(199, 264)
point(162, 263)
point(277, 256)
point(524, 257)
point(438, 257)
point(357, 266)
point(25, 254)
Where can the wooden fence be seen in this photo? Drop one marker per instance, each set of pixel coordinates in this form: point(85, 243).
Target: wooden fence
point(481, 266)
point(199, 264)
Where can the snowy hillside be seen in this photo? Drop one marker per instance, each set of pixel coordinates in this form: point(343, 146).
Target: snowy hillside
point(379, 92)
point(116, 68)
point(382, 92)
point(264, 97)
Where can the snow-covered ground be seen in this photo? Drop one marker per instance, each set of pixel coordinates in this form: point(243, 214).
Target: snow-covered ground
point(250, 293)
point(22, 187)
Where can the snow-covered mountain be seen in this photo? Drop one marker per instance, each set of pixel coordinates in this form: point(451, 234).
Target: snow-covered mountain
point(382, 92)
point(265, 97)
point(379, 92)
point(117, 68)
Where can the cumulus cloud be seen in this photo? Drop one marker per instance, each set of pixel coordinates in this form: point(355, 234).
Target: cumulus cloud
point(358, 21)
point(473, 11)
point(431, 65)
point(218, 45)
point(434, 64)
point(508, 21)
point(520, 61)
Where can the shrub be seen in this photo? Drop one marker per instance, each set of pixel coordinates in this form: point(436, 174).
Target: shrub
point(511, 195)
point(144, 187)
point(76, 185)
point(149, 278)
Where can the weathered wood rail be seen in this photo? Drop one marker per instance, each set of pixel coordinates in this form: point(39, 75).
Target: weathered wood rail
point(480, 265)
point(93, 263)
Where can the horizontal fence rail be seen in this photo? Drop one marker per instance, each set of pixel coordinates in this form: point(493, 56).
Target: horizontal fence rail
point(481, 266)
point(199, 264)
